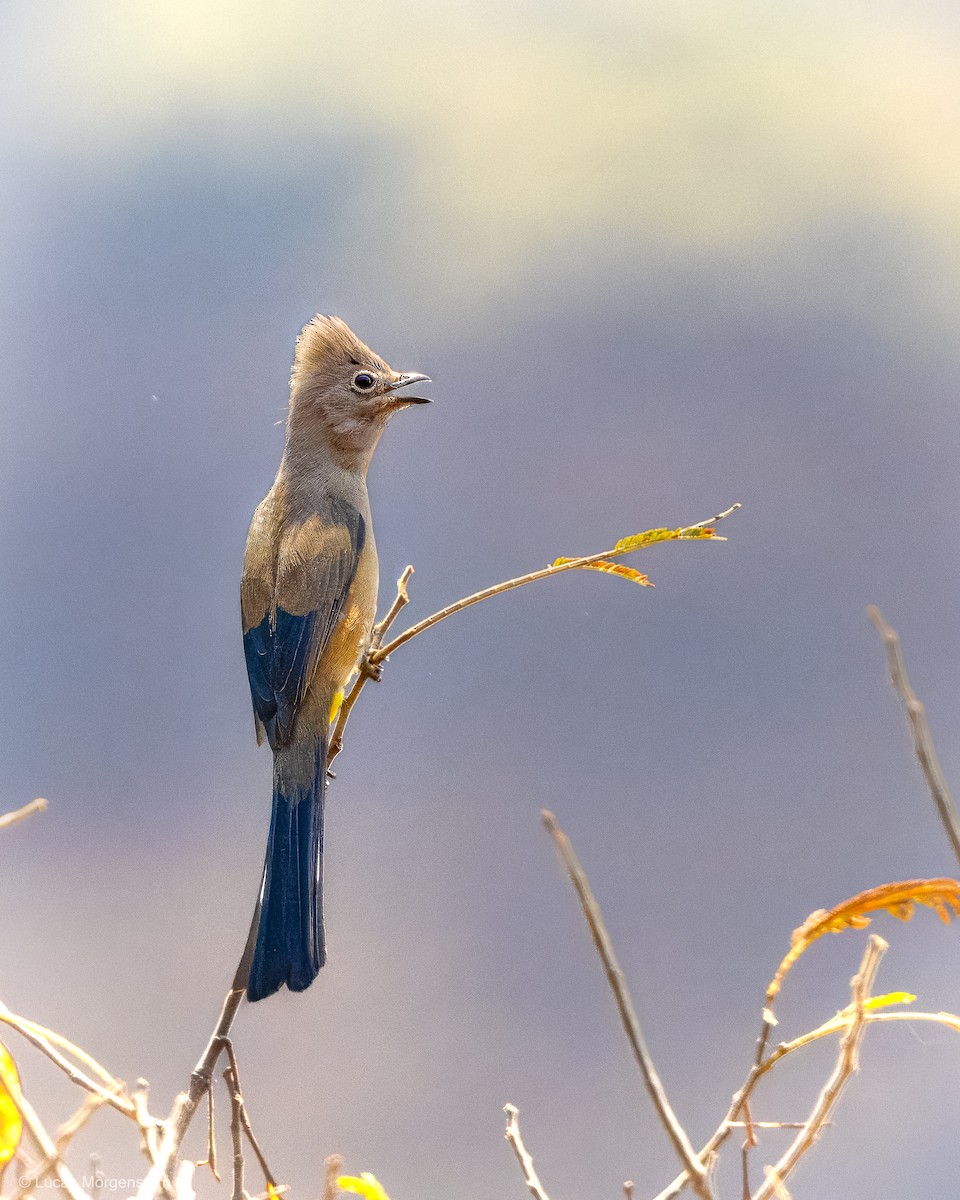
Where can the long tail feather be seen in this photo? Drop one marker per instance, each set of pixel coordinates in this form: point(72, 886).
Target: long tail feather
point(290, 944)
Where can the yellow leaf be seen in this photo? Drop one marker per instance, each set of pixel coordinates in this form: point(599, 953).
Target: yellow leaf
point(11, 1124)
point(888, 999)
point(652, 536)
point(898, 899)
point(366, 1186)
point(611, 568)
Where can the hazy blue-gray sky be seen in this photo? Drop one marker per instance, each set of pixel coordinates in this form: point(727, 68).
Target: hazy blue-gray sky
point(657, 257)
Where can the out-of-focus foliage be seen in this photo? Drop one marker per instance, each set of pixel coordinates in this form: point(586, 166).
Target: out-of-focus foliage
point(11, 1123)
point(365, 1185)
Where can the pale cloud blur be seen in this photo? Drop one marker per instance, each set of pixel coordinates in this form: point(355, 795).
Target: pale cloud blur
point(499, 136)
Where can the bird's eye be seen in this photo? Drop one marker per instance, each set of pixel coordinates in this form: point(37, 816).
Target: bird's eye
point(363, 381)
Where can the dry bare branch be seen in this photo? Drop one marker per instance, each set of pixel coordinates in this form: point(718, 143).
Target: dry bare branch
point(236, 1133)
point(61, 1140)
point(183, 1184)
point(268, 1175)
point(186, 1103)
point(848, 1062)
point(45, 1144)
point(631, 1024)
point(113, 1094)
point(331, 1169)
point(512, 1134)
point(150, 1127)
point(20, 814)
point(211, 1159)
point(922, 738)
point(838, 1024)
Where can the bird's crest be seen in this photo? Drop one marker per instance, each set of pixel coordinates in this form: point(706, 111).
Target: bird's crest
point(329, 343)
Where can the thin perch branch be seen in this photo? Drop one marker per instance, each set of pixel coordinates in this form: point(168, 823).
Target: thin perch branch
point(572, 564)
point(331, 1169)
point(268, 1175)
point(400, 601)
point(848, 1063)
point(512, 1134)
point(236, 1133)
point(211, 1159)
point(922, 738)
point(631, 1024)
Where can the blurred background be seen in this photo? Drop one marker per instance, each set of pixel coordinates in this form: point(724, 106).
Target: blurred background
point(658, 257)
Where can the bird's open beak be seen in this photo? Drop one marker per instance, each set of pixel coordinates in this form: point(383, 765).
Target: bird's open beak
point(404, 381)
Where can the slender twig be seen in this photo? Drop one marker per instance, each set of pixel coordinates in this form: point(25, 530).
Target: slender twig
point(61, 1140)
point(331, 1169)
point(186, 1103)
point(922, 738)
point(401, 599)
point(838, 1024)
point(45, 1144)
point(628, 1189)
point(211, 1159)
point(150, 1127)
point(183, 1184)
point(631, 1024)
point(236, 1133)
point(509, 584)
point(377, 653)
point(749, 1141)
point(779, 1187)
point(268, 1175)
point(20, 814)
point(768, 1125)
point(36, 1035)
point(512, 1134)
point(848, 1062)
point(726, 1126)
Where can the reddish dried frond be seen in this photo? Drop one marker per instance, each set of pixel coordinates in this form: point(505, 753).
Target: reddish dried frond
point(610, 568)
point(898, 899)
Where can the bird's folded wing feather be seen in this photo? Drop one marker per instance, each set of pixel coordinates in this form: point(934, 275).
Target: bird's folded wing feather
point(295, 584)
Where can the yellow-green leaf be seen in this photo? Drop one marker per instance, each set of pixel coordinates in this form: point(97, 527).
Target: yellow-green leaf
point(888, 999)
point(610, 568)
point(366, 1186)
point(638, 540)
point(11, 1124)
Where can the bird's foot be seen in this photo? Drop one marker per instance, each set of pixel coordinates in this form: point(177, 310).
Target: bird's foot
point(372, 670)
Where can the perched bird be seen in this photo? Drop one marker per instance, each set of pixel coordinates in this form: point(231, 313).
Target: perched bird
point(308, 600)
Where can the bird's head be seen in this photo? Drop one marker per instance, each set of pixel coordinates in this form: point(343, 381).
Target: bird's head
point(342, 391)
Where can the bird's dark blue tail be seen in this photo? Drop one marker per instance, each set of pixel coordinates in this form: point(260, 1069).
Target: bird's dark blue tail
point(290, 945)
